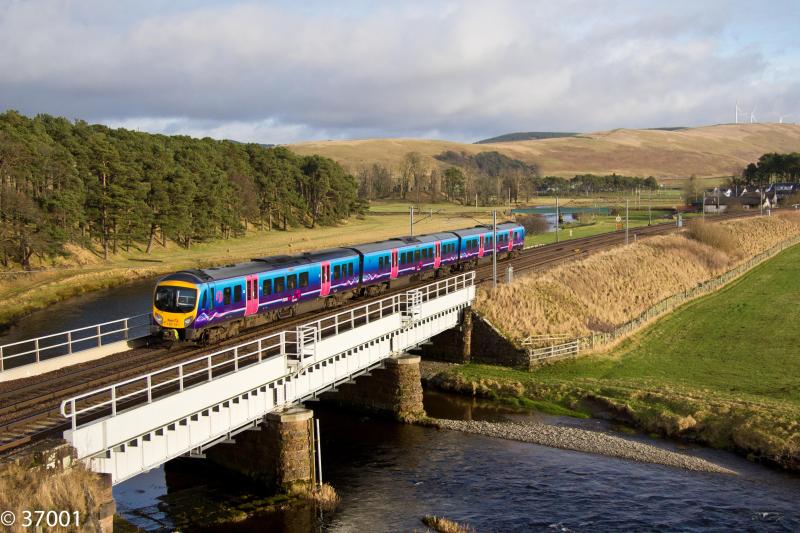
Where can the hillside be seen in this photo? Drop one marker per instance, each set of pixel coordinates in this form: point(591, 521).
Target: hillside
point(707, 151)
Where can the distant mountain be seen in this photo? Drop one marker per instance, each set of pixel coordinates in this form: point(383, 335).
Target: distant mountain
point(526, 136)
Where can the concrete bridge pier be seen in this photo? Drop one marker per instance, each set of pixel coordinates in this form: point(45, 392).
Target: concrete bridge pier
point(279, 452)
point(452, 345)
point(394, 390)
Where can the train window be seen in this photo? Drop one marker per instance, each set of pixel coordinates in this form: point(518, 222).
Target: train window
point(304, 279)
point(291, 282)
point(280, 283)
point(266, 287)
point(237, 293)
point(416, 255)
point(403, 258)
point(349, 269)
point(226, 296)
point(337, 272)
point(380, 263)
point(203, 304)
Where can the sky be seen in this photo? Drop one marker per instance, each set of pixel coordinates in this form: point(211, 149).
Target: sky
point(283, 72)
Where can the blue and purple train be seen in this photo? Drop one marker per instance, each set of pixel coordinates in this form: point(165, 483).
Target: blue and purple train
point(215, 303)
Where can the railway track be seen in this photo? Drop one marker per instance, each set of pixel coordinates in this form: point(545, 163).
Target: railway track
point(29, 407)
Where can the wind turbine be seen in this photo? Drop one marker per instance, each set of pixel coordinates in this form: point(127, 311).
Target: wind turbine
point(738, 110)
point(780, 120)
point(753, 115)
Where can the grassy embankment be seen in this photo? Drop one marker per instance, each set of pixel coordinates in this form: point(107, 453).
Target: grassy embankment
point(721, 370)
point(607, 289)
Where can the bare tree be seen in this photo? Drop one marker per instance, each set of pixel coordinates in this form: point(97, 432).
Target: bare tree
point(413, 171)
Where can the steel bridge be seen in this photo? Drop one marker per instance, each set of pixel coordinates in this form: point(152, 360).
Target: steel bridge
point(138, 424)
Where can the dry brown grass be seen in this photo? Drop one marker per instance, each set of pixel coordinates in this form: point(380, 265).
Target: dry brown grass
point(717, 236)
point(610, 288)
point(324, 496)
point(444, 525)
point(29, 489)
point(708, 151)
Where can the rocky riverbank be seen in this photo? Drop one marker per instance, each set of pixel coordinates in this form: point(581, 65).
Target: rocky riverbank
point(570, 438)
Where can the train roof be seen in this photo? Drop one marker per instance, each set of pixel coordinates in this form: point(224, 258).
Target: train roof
point(259, 265)
point(478, 230)
point(401, 242)
point(378, 246)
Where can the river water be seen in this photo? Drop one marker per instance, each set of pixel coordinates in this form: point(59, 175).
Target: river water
point(390, 475)
point(88, 309)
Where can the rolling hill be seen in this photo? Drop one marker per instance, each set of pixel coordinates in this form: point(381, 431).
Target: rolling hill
point(707, 151)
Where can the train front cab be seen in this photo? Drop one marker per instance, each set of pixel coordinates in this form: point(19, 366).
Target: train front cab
point(174, 308)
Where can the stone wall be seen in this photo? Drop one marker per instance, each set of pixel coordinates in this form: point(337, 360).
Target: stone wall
point(280, 454)
point(476, 340)
point(395, 390)
point(489, 346)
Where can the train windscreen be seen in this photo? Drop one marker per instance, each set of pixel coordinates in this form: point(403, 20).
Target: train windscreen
point(175, 299)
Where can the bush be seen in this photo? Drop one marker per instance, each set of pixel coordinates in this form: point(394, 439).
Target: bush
point(533, 224)
point(714, 235)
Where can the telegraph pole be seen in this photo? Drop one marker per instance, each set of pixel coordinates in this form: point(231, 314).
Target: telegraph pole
point(650, 209)
point(627, 225)
point(704, 206)
point(556, 217)
point(412, 221)
point(494, 249)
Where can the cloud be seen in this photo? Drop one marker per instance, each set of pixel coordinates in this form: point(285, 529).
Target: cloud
point(275, 72)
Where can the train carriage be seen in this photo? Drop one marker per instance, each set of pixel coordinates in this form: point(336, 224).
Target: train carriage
point(215, 303)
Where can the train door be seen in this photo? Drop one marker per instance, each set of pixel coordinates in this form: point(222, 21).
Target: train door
point(325, 279)
point(437, 258)
point(395, 265)
point(251, 295)
point(510, 240)
point(480, 247)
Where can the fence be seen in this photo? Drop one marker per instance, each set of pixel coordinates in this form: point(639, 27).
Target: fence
point(31, 351)
point(538, 354)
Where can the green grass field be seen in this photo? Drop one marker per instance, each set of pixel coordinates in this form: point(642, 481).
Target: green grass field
point(724, 369)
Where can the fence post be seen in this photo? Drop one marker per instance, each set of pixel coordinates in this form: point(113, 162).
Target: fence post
point(69, 342)
point(149, 388)
point(36, 347)
point(99, 338)
point(125, 328)
point(2, 360)
point(113, 400)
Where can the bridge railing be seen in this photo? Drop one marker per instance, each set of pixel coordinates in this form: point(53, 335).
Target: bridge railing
point(164, 381)
point(32, 351)
point(289, 343)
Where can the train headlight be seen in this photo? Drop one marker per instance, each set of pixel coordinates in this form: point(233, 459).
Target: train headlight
point(158, 318)
point(187, 321)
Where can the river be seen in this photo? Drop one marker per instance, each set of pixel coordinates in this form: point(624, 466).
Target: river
point(85, 310)
point(390, 475)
